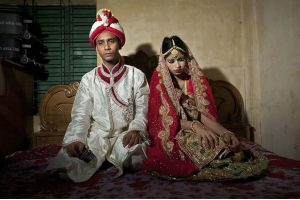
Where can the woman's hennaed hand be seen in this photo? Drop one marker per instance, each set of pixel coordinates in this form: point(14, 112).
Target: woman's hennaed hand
point(208, 138)
point(231, 140)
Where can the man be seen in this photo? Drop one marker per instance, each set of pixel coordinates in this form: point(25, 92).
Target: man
point(109, 111)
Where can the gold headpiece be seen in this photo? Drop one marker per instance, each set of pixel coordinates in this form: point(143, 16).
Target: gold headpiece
point(174, 50)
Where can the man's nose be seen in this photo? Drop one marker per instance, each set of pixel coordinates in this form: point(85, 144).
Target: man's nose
point(106, 46)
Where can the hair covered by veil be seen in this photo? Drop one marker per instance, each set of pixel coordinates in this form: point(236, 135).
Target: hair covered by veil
point(198, 84)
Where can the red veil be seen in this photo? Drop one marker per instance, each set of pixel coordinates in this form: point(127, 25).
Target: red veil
point(164, 155)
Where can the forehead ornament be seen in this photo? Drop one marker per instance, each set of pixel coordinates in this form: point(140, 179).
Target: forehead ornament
point(174, 50)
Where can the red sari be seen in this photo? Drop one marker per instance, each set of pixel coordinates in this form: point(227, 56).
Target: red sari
point(165, 156)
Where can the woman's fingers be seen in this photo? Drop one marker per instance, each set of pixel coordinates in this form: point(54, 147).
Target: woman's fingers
point(208, 138)
point(237, 144)
point(211, 142)
point(234, 144)
point(205, 142)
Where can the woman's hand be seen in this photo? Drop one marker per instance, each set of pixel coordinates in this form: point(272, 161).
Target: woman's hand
point(74, 149)
point(131, 138)
point(207, 137)
point(231, 140)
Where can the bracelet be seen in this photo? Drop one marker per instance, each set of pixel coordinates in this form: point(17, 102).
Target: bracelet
point(225, 132)
point(196, 122)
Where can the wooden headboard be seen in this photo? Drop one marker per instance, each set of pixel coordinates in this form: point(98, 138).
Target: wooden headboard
point(56, 104)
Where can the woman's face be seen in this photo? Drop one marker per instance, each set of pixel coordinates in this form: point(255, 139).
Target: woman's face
point(177, 63)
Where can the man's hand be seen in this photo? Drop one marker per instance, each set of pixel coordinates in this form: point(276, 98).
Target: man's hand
point(74, 149)
point(131, 138)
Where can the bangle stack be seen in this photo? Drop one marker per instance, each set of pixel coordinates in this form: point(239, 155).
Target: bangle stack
point(225, 132)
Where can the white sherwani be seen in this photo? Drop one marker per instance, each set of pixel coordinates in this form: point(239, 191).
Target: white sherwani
point(107, 105)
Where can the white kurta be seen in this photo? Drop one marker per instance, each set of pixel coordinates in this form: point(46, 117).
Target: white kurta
point(107, 105)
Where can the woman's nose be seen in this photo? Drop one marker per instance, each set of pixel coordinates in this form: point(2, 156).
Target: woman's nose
point(177, 65)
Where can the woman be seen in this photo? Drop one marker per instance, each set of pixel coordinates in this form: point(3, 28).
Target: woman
point(187, 140)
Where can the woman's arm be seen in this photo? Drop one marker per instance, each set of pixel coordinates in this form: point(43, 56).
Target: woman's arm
point(229, 138)
point(213, 125)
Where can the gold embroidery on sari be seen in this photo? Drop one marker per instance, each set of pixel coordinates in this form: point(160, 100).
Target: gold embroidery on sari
point(190, 143)
point(166, 122)
point(168, 83)
point(181, 154)
point(199, 89)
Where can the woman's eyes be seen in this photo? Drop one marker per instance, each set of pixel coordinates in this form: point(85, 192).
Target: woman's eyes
point(171, 61)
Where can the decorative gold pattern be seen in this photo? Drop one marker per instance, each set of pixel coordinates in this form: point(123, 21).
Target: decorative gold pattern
point(174, 50)
point(168, 83)
point(199, 88)
point(190, 144)
point(227, 169)
point(166, 122)
point(174, 53)
point(182, 157)
point(189, 106)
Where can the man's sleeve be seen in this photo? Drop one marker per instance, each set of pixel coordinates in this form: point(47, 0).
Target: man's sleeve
point(141, 95)
point(80, 115)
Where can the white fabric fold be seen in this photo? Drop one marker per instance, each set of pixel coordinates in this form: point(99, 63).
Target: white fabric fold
point(100, 123)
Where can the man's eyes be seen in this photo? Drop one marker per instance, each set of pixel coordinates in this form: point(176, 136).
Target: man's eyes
point(110, 41)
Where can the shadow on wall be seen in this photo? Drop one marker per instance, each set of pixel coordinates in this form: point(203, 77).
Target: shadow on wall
point(146, 59)
point(214, 73)
point(147, 49)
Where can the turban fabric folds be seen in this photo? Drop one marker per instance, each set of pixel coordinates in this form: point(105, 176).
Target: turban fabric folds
point(106, 22)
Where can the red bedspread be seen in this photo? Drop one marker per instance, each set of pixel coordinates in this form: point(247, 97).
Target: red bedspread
point(23, 176)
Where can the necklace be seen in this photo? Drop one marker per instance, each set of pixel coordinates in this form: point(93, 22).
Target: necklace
point(184, 87)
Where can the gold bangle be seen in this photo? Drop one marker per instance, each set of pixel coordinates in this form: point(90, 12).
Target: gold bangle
point(229, 132)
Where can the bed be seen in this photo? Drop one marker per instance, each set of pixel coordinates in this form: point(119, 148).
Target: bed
point(23, 172)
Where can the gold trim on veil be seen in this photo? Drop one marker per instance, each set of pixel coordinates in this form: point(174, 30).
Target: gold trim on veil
point(197, 77)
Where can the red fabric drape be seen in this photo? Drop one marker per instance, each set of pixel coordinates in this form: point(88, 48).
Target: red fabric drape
point(157, 159)
point(164, 155)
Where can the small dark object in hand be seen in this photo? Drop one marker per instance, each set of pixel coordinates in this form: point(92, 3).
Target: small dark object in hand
point(87, 155)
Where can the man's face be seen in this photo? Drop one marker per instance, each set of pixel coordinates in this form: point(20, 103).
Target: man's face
point(107, 46)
